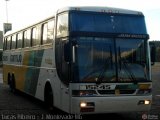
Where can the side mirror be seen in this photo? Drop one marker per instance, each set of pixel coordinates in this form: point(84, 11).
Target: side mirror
point(153, 54)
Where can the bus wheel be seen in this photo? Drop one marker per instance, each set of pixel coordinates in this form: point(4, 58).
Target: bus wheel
point(48, 97)
point(12, 83)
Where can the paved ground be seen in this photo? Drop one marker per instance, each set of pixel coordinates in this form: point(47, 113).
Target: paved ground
point(1, 75)
point(156, 89)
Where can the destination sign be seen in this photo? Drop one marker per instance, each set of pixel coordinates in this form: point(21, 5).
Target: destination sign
point(138, 36)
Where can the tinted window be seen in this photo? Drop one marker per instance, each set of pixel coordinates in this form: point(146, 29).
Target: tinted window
point(93, 22)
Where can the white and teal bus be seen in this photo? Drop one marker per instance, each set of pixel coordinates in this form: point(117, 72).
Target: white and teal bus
point(83, 60)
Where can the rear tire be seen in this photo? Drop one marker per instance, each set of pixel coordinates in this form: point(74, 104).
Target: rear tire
point(12, 83)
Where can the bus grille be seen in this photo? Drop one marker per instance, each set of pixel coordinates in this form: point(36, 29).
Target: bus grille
point(107, 92)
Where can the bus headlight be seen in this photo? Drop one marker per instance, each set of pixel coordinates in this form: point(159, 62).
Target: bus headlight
point(83, 104)
point(146, 102)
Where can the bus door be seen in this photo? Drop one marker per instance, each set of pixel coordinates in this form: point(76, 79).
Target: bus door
point(63, 69)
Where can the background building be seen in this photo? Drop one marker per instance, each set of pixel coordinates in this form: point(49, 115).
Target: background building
point(1, 46)
point(1, 39)
point(156, 43)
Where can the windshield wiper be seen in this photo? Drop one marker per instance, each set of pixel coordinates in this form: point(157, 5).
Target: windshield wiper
point(126, 66)
point(108, 61)
point(130, 73)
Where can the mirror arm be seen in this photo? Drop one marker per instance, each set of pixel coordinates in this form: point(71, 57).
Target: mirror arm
point(73, 54)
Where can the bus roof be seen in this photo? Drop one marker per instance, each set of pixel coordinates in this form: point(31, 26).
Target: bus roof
point(101, 9)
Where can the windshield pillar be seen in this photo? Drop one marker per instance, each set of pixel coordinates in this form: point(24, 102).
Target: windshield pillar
point(116, 64)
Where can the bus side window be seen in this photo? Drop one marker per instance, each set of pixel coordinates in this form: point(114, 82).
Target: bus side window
point(13, 42)
point(19, 40)
point(44, 34)
point(50, 31)
point(8, 42)
point(27, 37)
point(5, 43)
point(34, 38)
point(62, 25)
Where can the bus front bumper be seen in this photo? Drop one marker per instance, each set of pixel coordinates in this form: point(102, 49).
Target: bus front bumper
point(89, 105)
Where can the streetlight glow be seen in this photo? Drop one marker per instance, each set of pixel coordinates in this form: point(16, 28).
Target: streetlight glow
point(6, 10)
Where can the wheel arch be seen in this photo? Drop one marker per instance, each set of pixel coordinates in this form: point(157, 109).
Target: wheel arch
point(48, 87)
point(8, 78)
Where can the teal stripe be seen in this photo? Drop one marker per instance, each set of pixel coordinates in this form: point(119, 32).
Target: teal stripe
point(32, 74)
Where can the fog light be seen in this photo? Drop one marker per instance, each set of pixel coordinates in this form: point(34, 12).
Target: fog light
point(87, 106)
point(83, 104)
point(146, 102)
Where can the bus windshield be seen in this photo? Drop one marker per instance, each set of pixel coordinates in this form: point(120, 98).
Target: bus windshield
point(107, 23)
point(111, 60)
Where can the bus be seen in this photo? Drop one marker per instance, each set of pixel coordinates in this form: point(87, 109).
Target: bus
point(83, 60)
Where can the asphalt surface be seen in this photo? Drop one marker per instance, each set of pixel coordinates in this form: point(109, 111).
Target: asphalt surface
point(23, 107)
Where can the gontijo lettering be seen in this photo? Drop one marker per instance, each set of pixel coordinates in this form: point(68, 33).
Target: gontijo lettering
point(16, 58)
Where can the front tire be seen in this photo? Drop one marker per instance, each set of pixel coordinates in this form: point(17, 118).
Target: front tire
point(48, 97)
